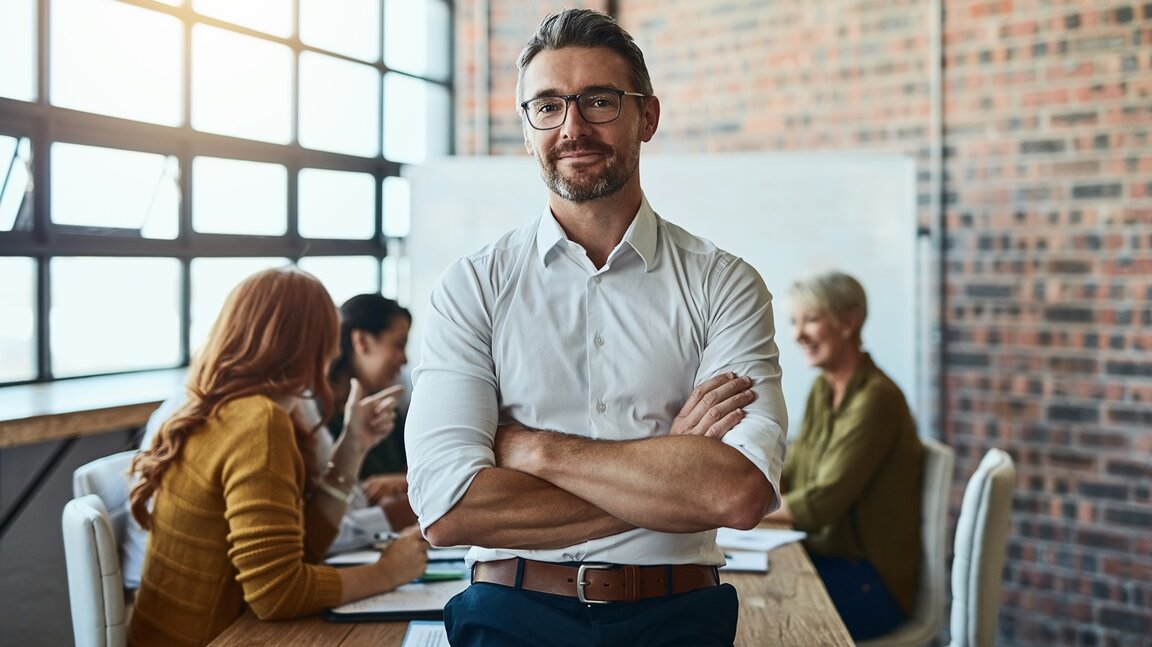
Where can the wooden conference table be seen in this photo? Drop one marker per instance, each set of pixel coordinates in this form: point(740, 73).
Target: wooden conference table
point(786, 606)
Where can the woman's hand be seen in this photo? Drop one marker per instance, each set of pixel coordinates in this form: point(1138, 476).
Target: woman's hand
point(404, 559)
point(370, 419)
point(384, 486)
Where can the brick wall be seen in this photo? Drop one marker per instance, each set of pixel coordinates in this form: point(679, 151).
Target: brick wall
point(1044, 219)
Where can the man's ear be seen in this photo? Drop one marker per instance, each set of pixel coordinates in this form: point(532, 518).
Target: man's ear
point(651, 115)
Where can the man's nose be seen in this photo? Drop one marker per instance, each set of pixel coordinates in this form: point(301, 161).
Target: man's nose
point(574, 126)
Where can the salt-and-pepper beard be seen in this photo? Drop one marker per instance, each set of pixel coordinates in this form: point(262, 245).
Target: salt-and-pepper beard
point(617, 171)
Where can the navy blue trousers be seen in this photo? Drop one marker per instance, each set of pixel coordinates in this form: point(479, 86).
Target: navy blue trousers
point(862, 600)
point(489, 615)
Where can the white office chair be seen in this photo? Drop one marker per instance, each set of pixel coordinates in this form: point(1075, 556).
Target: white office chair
point(928, 615)
point(106, 477)
point(981, 536)
point(95, 584)
point(93, 532)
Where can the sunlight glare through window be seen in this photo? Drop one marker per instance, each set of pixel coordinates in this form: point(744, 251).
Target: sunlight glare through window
point(241, 86)
point(344, 276)
point(99, 321)
point(113, 58)
point(337, 204)
point(18, 49)
point(269, 16)
point(18, 325)
point(15, 180)
point(349, 27)
point(239, 197)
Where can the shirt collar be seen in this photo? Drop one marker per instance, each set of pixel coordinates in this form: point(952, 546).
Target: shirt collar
point(640, 236)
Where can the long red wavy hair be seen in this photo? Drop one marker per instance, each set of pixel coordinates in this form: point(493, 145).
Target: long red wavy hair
point(275, 336)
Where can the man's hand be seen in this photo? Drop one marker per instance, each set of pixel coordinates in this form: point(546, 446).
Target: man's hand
point(715, 406)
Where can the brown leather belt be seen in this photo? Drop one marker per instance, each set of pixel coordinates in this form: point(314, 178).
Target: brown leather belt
point(594, 583)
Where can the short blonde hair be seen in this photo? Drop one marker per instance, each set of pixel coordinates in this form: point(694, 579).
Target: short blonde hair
point(836, 294)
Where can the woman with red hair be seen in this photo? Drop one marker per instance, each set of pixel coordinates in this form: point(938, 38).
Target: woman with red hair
point(239, 518)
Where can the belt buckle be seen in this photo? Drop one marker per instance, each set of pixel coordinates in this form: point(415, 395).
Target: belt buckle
point(581, 582)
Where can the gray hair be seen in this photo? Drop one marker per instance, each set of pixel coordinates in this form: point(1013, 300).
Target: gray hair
point(835, 293)
point(585, 28)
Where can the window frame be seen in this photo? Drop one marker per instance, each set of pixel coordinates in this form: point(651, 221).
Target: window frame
point(44, 124)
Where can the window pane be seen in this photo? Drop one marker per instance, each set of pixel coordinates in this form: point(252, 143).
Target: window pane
point(18, 50)
point(269, 16)
point(239, 197)
point(336, 204)
point(349, 27)
point(114, 314)
point(415, 119)
point(212, 279)
point(339, 105)
point(344, 276)
point(396, 273)
point(107, 187)
point(18, 325)
point(115, 59)
point(397, 207)
point(416, 37)
point(15, 183)
point(241, 86)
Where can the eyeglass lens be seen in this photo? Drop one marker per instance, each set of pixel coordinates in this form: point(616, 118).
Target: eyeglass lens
point(595, 107)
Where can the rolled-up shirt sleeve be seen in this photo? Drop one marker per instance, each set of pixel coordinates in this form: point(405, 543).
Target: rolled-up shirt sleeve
point(742, 338)
point(452, 418)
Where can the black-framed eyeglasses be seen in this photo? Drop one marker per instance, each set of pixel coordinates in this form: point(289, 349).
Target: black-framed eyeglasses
point(598, 106)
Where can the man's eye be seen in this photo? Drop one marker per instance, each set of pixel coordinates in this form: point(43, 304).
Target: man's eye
point(545, 107)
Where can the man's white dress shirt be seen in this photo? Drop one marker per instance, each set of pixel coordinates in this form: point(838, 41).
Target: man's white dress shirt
point(528, 330)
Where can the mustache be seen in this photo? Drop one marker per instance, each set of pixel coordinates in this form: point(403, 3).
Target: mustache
point(578, 147)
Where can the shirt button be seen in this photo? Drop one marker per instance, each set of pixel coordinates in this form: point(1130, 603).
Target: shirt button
point(599, 340)
point(601, 407)
point(596, 279)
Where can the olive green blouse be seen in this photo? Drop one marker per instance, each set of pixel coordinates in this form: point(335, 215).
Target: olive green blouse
point(853, 478)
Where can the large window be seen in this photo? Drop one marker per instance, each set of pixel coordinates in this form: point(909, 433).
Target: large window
point(153, 153)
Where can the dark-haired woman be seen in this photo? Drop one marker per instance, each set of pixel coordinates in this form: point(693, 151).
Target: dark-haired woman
point(373, 336)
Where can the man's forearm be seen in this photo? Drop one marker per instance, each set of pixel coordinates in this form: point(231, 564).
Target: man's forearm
point(669, 484)
point(506, 508)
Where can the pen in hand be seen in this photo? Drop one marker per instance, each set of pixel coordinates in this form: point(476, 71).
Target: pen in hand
point(381, 540)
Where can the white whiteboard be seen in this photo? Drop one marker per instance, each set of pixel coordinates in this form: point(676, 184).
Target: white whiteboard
point(788, 214)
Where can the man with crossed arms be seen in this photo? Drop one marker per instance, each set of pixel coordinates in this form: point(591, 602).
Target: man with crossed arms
point(554, 425)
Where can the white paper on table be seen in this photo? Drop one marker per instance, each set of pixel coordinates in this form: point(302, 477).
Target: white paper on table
point(370, 555)
point(745, 561)
point(426, 633)
point(413, 597)
point(761, 539)
point(354, 558)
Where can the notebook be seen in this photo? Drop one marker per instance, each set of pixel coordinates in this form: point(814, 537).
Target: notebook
point(412, 601)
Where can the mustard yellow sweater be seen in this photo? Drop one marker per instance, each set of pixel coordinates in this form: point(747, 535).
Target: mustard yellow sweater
point(853, 479)
point(231, 528)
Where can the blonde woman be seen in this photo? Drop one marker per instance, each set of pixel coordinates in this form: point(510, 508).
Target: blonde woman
point(852, 479)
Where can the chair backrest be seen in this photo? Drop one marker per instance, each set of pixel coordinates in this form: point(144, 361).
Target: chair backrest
point(981, 535)
point(95, 584)
point(107, 478)
point(928, 615)
point(933, 594)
